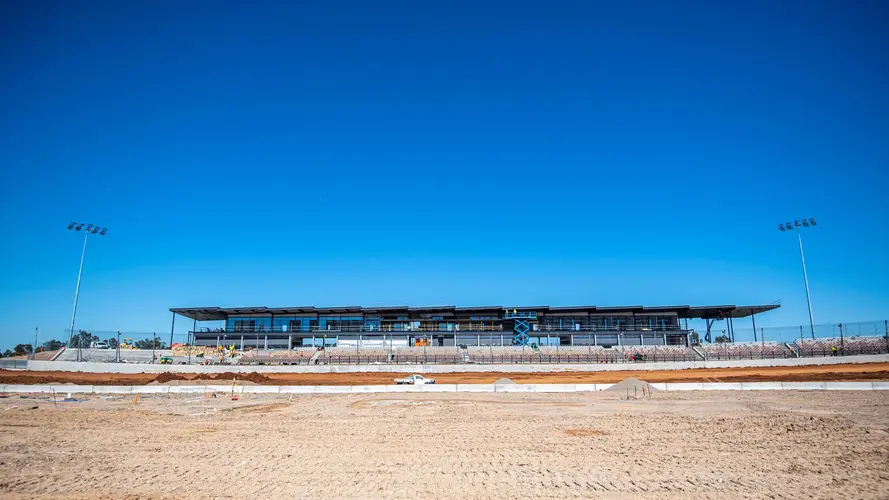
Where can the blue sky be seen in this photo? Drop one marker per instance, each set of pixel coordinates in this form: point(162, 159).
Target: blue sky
point(466, 153)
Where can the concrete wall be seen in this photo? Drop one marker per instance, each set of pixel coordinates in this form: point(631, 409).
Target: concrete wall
point(73, 366)
point(62, 390)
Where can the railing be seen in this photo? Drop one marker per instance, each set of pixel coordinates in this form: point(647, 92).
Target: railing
point(353, 359)
point(605, 329)
point(596, 358)
point(428, 358)
point(520, 315)
point(720, 356)
point(461, 329)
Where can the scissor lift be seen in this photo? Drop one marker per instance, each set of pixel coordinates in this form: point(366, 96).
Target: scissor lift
point(522, 321)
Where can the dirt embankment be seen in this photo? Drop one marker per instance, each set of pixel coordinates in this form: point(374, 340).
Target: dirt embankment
point(870, 371)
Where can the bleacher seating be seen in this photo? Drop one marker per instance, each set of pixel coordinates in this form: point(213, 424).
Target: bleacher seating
point(500, 354)
point(657, 353)
point(300, 356)
point(427, 355)
point(846, 346)
point(745, 350)
point(575, 354)
point(353, 355)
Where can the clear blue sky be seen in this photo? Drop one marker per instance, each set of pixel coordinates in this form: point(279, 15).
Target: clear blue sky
point(421, 153)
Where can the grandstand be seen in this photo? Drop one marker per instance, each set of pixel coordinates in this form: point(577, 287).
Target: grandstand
point(451, 326)
point(483, 335)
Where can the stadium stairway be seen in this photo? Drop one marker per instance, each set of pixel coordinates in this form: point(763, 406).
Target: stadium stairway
point(792, 349)
point(314, 359)
point(699, 353)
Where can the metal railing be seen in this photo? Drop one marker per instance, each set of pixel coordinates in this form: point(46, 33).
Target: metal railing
point(459, 328)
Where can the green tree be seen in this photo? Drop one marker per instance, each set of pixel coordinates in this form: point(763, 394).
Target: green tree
point(723, 339)
point(22, 349)
point(7, 353)
point(83, 339)
point(52, 345)
point(112, 343)
point(155, 343)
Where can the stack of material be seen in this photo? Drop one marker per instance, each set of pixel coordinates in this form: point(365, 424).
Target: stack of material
point(183, 350)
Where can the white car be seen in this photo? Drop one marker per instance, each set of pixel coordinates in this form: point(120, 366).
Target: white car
point(414, 380)
point(99, 345)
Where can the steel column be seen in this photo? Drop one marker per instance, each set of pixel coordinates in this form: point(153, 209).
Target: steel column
point(806, 278)
point(77, 294)
point(753, 317)
point(171, 330)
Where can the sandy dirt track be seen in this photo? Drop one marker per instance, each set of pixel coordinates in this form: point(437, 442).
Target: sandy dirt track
point(711, 445)
point(866, 371)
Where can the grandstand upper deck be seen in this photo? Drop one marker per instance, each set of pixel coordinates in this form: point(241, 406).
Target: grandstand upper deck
point(451, 325)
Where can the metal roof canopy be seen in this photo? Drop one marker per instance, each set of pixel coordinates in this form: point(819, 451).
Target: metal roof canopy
point(691, 312)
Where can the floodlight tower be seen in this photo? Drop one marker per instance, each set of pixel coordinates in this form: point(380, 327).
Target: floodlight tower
point(787, 226)
point(90, 229)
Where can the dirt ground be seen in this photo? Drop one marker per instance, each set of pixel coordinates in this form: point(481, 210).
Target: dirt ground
point(696, 445)
point(868, 371)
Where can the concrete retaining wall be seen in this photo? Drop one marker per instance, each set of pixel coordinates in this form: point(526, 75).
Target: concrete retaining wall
point(73, 366)
point(346, 389)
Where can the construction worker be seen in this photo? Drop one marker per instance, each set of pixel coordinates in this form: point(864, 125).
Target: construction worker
point(833, 350)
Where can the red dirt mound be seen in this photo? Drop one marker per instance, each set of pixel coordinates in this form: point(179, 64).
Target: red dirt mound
point(248, 377)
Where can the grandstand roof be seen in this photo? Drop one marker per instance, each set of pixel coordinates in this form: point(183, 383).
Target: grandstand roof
point(683, 311)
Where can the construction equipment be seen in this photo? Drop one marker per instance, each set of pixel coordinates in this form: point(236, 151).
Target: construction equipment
point(128, 343)
point(166, 360)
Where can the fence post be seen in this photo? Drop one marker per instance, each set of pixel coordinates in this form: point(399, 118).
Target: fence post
point(118, 346)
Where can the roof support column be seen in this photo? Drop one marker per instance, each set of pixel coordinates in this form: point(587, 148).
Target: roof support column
point(753, 317)
point(731, 323)
point(171, 330)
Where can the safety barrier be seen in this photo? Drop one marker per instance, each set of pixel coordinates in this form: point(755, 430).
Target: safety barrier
point(350, 389)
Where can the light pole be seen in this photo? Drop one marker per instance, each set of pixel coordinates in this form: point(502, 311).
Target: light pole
point(789, 227)
point(90, 229)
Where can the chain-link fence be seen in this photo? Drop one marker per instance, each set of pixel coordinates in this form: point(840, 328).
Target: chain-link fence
point(835, 339)
point(124, 347)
